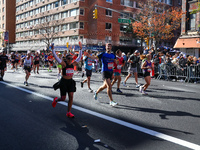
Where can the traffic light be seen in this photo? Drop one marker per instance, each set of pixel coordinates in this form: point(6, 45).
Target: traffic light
point(95, 13)
point(147, 41)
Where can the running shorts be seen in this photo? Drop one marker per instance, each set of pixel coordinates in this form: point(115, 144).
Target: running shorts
point(67, 85)
point(146, 74)
point(88, 73)
point(28, 68)
point(107, 75)
point(116, 74)
point(132, 70)
point(36, 62)
point(59, 66)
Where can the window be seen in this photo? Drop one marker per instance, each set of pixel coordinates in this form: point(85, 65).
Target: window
point(74, 25)
point(192, 21)
point(56, 17)
point(110, 1)
point(3, 18)
point(64, 14)
point(81, 25)
point(43, 9)
point(127, 3)
point(108, 12)
point(108, 26)
point(73, 12)
point(3, 9)
point(108, 39)
point(64, 2)
point(49, 7)
point(65, 27)
point(82, 11)
point(31, 13)
point(56, 4)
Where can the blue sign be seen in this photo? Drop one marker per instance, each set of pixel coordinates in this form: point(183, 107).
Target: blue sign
point(6, 36)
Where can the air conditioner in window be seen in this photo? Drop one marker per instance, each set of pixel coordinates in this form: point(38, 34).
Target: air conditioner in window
point(75, 3)
point(75, 17)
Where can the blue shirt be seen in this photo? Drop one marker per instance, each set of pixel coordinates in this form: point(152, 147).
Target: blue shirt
point(107, 61)
point(88, 63)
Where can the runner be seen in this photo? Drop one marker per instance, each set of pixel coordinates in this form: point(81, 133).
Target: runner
point(117, 69)
point(88, 69)
point(50, 59)
point(133, 62)
point(107, 58)
point(36, 62)
point(59, 66)
point(67, 84)
point(16, 60)
point(3, 61)
point(147, 67)
point(45, 60)
point(13, 60)
point(28, 61)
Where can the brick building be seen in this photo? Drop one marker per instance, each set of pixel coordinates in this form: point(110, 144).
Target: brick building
point(76, 23)
point(189, 41)
point(7, 21)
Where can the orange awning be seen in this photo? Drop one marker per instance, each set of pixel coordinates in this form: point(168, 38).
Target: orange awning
point(187, 43)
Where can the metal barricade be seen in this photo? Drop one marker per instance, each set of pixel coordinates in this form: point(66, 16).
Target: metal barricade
point(171, 71)
point(194, 73)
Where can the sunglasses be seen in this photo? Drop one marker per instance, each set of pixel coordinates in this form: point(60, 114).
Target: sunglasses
point(69, 58)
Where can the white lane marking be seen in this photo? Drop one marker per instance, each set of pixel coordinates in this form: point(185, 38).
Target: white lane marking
point(117, 121)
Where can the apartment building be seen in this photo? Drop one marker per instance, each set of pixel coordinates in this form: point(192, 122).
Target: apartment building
point(7, 21)
point(189, 41)
point(74, 23)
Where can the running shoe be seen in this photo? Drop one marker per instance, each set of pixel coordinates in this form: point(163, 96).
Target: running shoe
point(95, 95)
point(90, 90)
point(82, 84)
point(113, 103)
point(140, 89)
point(69, 115)
point(124, 84)
point(144, 92)
point(26, 83)
point(119, 91)
point(138, 85)
point(37, 72)
point(50, 70)
point(54, 102)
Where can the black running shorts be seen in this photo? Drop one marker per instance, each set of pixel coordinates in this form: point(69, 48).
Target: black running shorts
point(66, 86)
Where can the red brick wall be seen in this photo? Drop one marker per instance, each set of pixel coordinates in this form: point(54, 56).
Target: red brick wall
point(10, 19)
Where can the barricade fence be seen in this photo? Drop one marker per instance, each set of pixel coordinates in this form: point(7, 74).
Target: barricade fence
point(170, 72)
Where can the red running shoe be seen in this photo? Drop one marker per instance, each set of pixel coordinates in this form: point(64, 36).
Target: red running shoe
point(70, 115)
point(54, 102)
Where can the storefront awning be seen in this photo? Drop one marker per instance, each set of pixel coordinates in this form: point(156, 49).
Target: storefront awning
point(187, 43)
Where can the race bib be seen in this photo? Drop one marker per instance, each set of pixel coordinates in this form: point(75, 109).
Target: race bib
point(69, 72)
point(110, 65)
point(37, 59)
point(149, 70)
point(119, 66)
point(89, 63)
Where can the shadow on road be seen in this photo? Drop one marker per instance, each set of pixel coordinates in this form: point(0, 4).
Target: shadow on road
point(81, 134)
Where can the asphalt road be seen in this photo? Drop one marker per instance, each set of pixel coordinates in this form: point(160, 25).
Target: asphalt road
point(28, 120)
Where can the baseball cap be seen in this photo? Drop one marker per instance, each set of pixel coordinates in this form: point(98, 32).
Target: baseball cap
point(136, 51)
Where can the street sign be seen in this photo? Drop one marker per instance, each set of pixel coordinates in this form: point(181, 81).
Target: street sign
point(120, 20)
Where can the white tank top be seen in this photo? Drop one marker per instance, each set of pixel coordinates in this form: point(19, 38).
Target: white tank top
point(27, 62)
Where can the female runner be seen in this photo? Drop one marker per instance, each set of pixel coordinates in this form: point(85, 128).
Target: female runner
point(28, 61)
point(36, 62)
point(67, 84)
point(147, 67)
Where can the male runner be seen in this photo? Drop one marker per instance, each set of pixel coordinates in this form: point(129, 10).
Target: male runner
point(107, 58)
point(3, 61)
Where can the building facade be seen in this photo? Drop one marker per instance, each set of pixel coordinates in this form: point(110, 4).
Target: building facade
point(189, 41)
point(7, 22)
point(70, 21)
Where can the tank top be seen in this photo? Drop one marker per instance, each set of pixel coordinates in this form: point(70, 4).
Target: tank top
point(37, 58)
point(27, 62)
point(147, 64)
point(68, 70)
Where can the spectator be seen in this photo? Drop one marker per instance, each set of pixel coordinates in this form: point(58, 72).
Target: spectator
point(146, 51)
point(182, 62)
point(190, 61)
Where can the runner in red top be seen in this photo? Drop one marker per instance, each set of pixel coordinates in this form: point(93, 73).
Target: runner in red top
point(117, 69)
point(50, 59)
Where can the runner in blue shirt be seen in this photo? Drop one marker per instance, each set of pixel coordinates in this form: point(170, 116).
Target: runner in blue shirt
point(88, 68)
point(107, 58)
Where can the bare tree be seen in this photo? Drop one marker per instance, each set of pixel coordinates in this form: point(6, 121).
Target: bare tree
point(48, 28)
